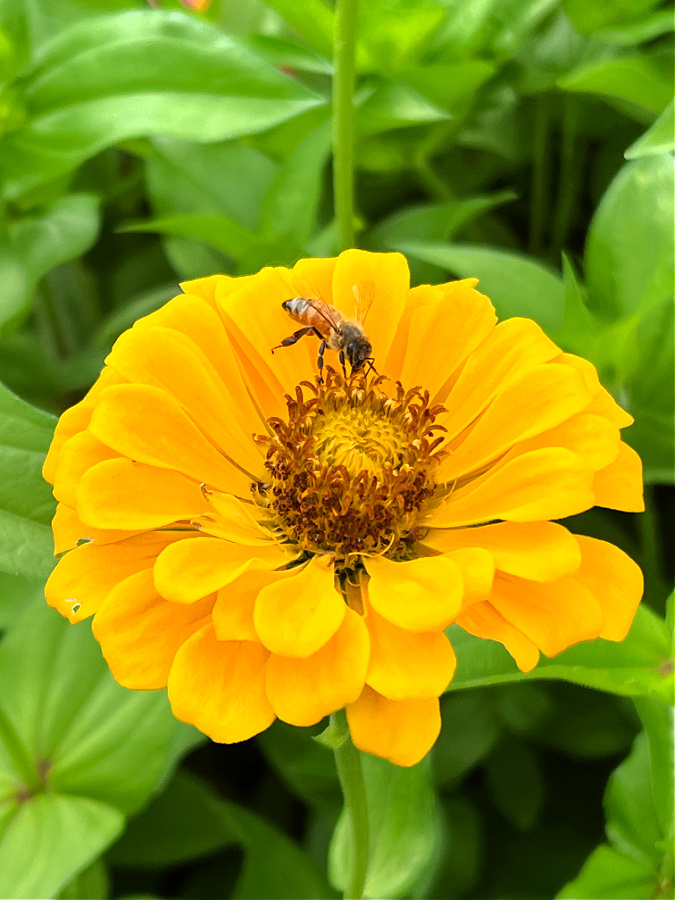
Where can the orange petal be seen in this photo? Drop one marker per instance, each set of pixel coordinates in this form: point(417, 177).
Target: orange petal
point(619, 485)
point(483, 621)
point(188, 571)
point(69, 530)
point(535, 401)
point(297, 616)
point(509, 350)
point(85, 576)
point(420, 595)
point(553, 615)
point(125, 495)
point(166, 359)
point(478, 570)
point(602, 404)
point(538, 551)
point(219, 687)
point(303, 691)
point(550, 483)
point(232, 520)
point(149, 426)
point(402, 731)
point(233, 612)
point(78, 453)
point(405, 665)
point(442, 332)
point(378, 282)
point(140, 632)
point(615, 581)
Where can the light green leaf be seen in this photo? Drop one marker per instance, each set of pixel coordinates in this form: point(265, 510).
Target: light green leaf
point(629, 258)
point(394, 33)
point(404, 826)
point(449, 86)
point(289, 54)
point(26, 504)
point(220, 232)
point(47, 839)
point(637, 80)
point(95, 738)
point(609, 874)
point(516, 284)
point(394, 105)
point(112, 78)
point(638, 666)
point(660, 138)
point(589, 17)
point(311, 19)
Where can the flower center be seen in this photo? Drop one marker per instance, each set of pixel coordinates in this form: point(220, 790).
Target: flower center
point(352, 469)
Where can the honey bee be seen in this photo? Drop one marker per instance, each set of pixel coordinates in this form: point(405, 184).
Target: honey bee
point(346, 336)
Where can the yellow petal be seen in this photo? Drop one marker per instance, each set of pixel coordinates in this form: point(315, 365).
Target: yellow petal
point(591, 437)
point(189, 570)
point(602, 404)
point(297, 616)
point(84, 577)
point(122, 494)
point(69, 529)
point(303, 691)
point(204, 288)
point(538, 551)
point(478, 570)
point(402, 731)
point(233, 612)
point(140, 632)
point(405, 665)
point(219, 687)
point(553, 616)
point(166, 359)
point(619, 485)
point(78, 453)
point(228, 518)
point(420, 595)
point(615, 581)
point(536, 401)
point(442, 332)
point(314, 278)
point(378, 282)
point(550, 483)
point(483, 621)
point(509, 350)
point(147, 425)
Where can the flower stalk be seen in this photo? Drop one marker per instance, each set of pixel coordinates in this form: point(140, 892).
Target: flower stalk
point(344, 52)
point(350, 773)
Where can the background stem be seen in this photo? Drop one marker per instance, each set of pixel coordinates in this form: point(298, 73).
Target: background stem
point(350, 773)
point(344, 49)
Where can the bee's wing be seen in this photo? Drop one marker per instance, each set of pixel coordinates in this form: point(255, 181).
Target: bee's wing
point(364, 295)
point(331, 315)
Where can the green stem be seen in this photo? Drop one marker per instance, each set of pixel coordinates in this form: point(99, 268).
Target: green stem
point(540, 174)
point(23, 761)
point(344, 50)
point(350, 773)
point(570, 169)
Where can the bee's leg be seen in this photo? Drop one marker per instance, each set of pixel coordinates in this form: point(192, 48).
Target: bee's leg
point(294, 338)
point(342, 363)
point(319, 360)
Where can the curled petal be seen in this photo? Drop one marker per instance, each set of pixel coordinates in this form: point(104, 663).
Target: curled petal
point(619, 485)
point(402, 731)
point(303, 691)
point(483, 621)
point(219, 687)
point(615, 581)
point(78, 454)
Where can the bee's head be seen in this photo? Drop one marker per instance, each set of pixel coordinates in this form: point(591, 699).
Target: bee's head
point(358, 351)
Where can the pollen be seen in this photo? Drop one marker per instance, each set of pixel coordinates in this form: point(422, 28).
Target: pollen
point(352, 468)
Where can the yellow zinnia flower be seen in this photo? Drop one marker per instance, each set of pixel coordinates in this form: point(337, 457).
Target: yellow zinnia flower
point(268, 544)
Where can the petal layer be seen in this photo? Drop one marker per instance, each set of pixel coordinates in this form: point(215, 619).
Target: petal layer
point(303, 691)
point(615, 581)
point(402, 731)
point(483, 621)
point(619, 485)
point(219, 687)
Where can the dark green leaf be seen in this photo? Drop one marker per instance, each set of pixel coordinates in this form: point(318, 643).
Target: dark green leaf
point(515, 782)
point(222, 233)
point(26, 504)
point(449, 86)
point(404, 826)
point(307, 767)
point(470, 731)
point(516, 284)
point(47, 839)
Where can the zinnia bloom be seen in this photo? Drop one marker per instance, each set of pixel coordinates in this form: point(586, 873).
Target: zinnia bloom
point(268, 544)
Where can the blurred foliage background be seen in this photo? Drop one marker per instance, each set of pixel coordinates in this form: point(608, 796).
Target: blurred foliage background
point(525, 142)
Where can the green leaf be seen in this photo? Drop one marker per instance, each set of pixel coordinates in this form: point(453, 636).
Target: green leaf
point(311, 19)
point(657, 720)
point(449, 86)
point(394, 33)
point(95, 738)
point(188, 821)
point(66, 229)
point(638, 666)
point(660, 138)
point(516, 285)
point(628, 258)
point(404, 826)
point(26, 504)
point(289, 54)
point(470, 731)
point(47, 839)
point(305, 764)
point(394, 105)
point(589, 17)
point(609, 874)
point(220, 232)
point(112, 78)
point(515, 782)
point(637, 80)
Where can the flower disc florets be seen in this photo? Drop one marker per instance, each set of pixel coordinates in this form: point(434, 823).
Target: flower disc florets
point(352, 468)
